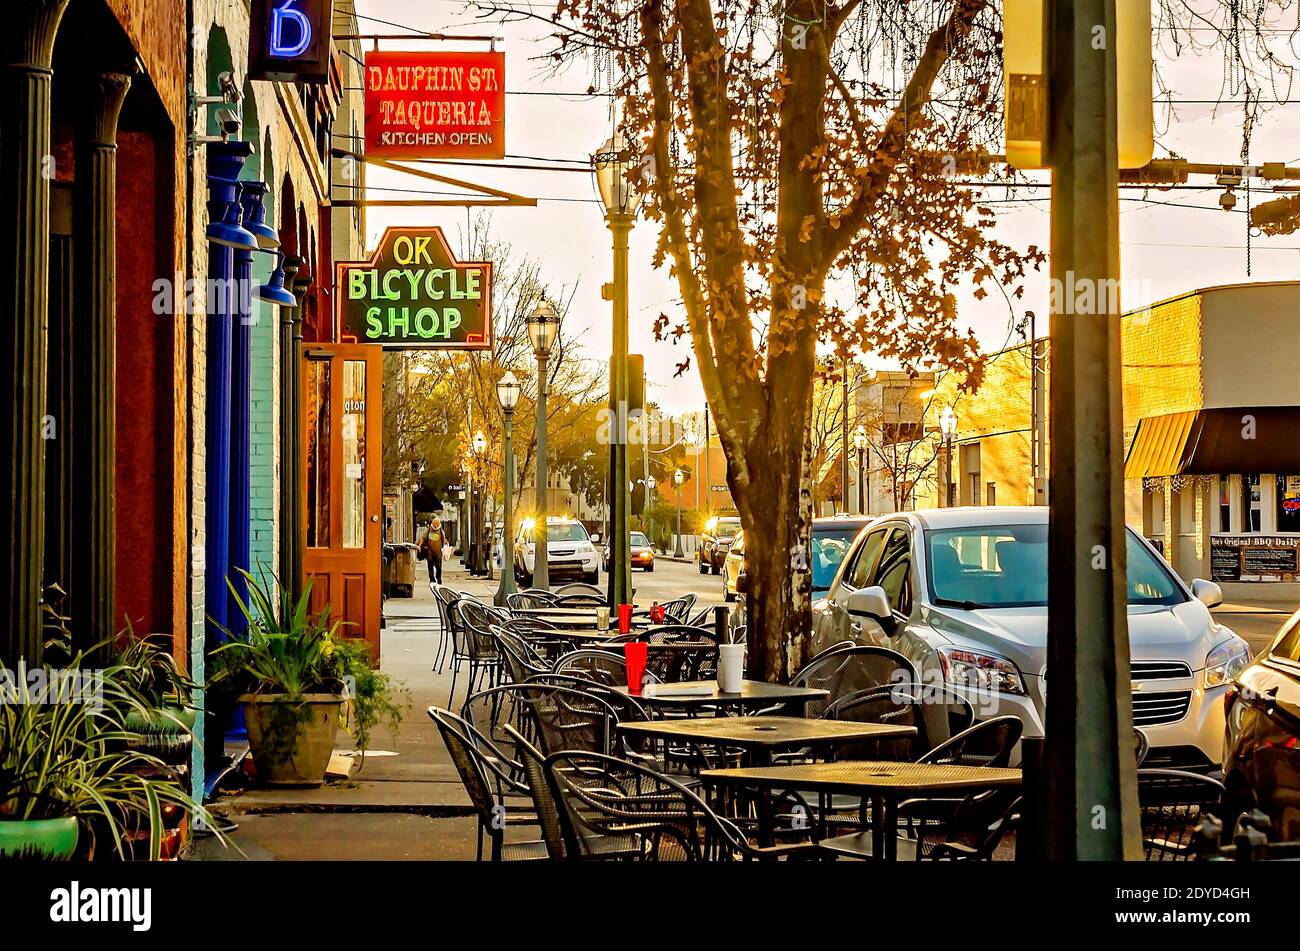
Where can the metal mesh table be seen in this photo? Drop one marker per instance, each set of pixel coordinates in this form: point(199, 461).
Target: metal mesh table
point(885, 783)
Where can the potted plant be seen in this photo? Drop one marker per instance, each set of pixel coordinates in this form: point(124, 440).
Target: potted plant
point(300, 682)
point(69, 775)
point(166, 729)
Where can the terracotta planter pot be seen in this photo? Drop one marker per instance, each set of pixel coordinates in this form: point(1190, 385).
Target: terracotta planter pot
point(291, 741)
point(44, 839)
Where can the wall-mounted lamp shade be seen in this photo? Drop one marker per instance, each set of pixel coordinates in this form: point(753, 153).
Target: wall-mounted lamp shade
point(613, 163)
point(543, 328)
point(253, 198)
point(508, 390)
point(273, 291)
point(229, 232)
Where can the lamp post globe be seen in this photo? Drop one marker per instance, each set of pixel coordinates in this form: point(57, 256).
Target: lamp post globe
point(543, 329)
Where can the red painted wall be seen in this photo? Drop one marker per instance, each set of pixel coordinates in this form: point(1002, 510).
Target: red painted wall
point(145, 414)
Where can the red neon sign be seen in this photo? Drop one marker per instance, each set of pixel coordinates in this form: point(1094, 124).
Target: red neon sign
point(435, 105)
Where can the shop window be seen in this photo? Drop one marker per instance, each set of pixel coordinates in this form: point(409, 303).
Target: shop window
point(1255, 506)
point(1225, 505)
point(1288, 503)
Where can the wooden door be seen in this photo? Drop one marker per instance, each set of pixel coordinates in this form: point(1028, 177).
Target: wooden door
point(342, 400)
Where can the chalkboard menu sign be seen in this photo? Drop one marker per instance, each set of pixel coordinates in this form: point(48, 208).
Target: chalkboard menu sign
point(1268, 561)
point(1254, 557)
point(1225, 563)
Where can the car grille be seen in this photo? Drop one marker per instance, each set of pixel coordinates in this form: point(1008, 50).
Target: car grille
point(1159, 670)
point(1151, 709)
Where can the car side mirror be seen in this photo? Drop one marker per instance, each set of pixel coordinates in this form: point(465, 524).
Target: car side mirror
point(872, 602)
point(742, 582)
point(595, 539)
point(1207, 592)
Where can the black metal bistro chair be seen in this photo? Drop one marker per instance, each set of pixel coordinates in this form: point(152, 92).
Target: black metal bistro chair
point(1172, 803)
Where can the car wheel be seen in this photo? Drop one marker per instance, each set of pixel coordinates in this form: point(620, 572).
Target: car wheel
point(649, 568)
point(704, 567)
point(717, 569)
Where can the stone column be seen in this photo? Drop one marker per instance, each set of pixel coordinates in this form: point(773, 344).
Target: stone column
point(91, 587)
point(290, 569)
point(26, 168)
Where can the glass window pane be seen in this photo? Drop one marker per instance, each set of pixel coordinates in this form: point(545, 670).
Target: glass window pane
point(354, 454)
point(316, 423)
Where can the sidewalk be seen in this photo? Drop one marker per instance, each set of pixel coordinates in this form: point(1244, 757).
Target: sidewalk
point(409, 777)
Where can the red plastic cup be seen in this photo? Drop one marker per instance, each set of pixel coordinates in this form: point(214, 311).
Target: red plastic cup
point(657, 613)
point(634, 653)
point(625, 618)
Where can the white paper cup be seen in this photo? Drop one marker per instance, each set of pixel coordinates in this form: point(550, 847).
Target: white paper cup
point(731, 667)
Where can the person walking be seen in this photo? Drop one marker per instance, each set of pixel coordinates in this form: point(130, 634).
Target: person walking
point(431, 546)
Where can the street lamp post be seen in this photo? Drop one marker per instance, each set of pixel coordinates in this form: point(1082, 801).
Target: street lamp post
point(479, 445)
point(543, 328)
point(860, 444)
point(508, 395)
point(613, 167)
point(649, 508)
point(948, 427)
point(678, 478)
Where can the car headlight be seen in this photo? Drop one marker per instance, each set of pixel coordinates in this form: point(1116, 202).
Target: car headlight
point(1226, 661)
point(980, 671)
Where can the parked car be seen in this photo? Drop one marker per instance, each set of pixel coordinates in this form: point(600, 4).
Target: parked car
point(733, 566)
point(570, 552)
point(718, 534)
point(831, 539)
point(1261, 760)
point(642, 554)
point(962, 593)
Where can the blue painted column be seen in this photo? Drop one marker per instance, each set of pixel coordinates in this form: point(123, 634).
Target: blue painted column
point(225, 234)
point(241, 371)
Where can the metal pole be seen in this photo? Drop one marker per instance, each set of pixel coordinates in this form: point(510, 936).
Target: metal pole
point(708, 498)
point(541, 557)
point(844, 439)
point(620, 568)
point(861, 510)
point(507, 586)
point(677, 552)
point(1090, 788)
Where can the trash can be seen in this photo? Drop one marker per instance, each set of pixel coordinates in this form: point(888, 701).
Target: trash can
point(386, 570)
point(402, 573)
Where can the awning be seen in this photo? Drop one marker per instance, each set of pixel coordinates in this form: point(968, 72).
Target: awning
point(1245, 439)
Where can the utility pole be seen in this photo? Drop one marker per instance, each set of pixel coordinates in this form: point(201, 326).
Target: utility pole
point(1090, 800)
point(844, 439)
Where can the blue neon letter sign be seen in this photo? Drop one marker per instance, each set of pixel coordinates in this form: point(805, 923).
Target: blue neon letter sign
point(278, 47)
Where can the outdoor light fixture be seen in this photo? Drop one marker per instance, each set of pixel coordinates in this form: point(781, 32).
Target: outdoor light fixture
point(859, 439)
point(618, 190)
point(508, 391)
point(273, 291)
point(228, 229)
point(650, 483)
point(254, 194)
point(480, 443)
point(948, 423)
point(543, 328)
point(679, 476)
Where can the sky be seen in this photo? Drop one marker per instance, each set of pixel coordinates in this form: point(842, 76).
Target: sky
point(1173, 242)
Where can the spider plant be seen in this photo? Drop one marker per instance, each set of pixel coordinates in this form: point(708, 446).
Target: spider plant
point(69, 756)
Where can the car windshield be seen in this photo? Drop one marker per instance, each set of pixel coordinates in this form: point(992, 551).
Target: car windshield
point(1005, 566)
point(639, 540)
point(565, 532)
point(727, 527)
point(828, 550)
